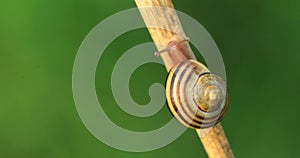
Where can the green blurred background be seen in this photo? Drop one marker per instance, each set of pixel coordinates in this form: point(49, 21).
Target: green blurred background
point(259, 41)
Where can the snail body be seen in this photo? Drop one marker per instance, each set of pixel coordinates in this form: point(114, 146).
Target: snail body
point(195, 97)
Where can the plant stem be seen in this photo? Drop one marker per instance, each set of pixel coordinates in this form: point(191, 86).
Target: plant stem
point(164, 26)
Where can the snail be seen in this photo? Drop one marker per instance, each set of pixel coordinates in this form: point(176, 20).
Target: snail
point(195, 97)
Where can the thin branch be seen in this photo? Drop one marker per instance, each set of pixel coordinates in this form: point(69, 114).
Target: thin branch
point(170, 29)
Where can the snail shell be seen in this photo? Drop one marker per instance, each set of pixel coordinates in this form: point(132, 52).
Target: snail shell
point(195, 97)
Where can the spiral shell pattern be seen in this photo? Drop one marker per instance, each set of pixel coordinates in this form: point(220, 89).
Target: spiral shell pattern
point(195, 97)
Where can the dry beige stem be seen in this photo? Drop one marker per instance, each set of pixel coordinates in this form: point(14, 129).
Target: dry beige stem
point(164, 26)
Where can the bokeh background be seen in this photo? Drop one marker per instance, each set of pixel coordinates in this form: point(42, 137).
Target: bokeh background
point(259, 41)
